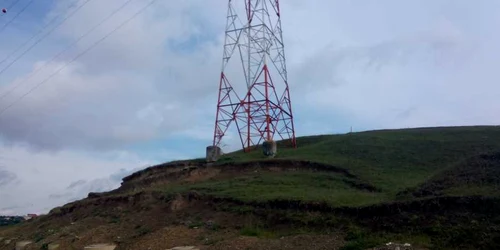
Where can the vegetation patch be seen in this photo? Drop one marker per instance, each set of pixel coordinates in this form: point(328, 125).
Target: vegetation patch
point(477, 175)
point(301, 185)
point(391, 160)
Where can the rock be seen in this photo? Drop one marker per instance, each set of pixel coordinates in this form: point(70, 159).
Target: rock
point(193, 195)
point(209, 224)
point(101, 247)
point(395, 246)
point(53, 246)
point(21, 244)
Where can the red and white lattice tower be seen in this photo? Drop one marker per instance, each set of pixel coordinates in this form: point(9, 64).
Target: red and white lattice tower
point(254, 61)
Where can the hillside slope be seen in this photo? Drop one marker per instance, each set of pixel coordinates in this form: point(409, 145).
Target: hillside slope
point(433, 187)
point(477, 175)
point(391, 159)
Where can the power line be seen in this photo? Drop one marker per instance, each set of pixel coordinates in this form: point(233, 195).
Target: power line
point(67, 48)
point(13, 4)
point(43, 37)
point(79, 55)
point(19, 13)
point(33, 45)
point(31, 38)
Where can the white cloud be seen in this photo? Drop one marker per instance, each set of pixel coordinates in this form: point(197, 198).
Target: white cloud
point(45, 180)
point(100, 100)
point(6, 177)
point(437, 75)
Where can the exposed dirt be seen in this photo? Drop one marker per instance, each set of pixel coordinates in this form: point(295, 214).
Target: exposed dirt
point(189, 172)
point(269, 165)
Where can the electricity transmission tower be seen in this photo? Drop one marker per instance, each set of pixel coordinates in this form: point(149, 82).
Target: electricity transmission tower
point(253, 89)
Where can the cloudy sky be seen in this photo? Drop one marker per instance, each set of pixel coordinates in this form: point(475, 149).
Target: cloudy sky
point(147, 93)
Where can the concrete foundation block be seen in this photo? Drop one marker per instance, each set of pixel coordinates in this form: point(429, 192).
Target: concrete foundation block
point(269, 148)
point(213, 153)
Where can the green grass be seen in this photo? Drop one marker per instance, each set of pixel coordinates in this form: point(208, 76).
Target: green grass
point(390, 159)
point(477, 175)
point(299, 185)
point(470, 190)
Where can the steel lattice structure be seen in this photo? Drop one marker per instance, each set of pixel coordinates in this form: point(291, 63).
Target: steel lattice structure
point(254, 52)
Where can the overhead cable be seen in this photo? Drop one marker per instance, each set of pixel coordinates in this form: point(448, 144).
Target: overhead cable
point(78, 56)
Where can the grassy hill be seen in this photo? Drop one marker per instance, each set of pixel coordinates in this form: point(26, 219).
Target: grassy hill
point(434, 187)
point(391, 159)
